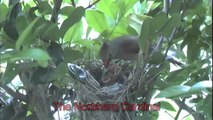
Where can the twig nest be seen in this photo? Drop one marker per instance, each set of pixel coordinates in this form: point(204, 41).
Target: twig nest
point(110, 74)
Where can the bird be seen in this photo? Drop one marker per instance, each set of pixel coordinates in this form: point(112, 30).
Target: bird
point(122, 47)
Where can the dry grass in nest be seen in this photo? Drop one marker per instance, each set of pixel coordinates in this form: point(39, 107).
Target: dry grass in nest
point(107, 87)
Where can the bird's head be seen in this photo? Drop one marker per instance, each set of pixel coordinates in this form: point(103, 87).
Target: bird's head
point(105, 54)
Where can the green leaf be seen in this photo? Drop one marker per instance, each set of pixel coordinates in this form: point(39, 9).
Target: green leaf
point(156, 58)
point(59, 73)
point(175, 74)
point(10, 29)
point(161, 84)
point(25, 34)
point(74, 33)
point(52, 28)
point(159, 22)
point(155, 71)
point(155, 5)
point(44, 7)
point(175, 19)
point(71, 55)
point(173, 91)
point(104, 7)
point(145, 35)
point(121, 6)
point(176, 6)
point(89, 29)
point(46, 29)
point(135, 21)
point(3, 11)
point(85, 43)
point(166, 105)
point(34, 53)
point(191, 35)
point(200, 86)
point(193, 51)
point(138, 18)
point(129, 4)
point(6, 56)
point(71, 20)
point(155, 115)
point(10, 73)
point(21, 24)
point(173, 22)
point(183, 90)
point(132, 31)
point(121, 28)
point(97, 20)
point(67, 10)
point(204, 106)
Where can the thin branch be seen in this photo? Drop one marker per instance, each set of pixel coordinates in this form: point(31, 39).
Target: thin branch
point(36, 2)
point(158, 45)
point(170, 42)
point(119, 19)
point(92, 4)
point(178, 113)
point(169, 114)
point(166, 6)
point(175, 62)
point(56, 8)
point(160, 41)
point(16, 95)
point(73, 3)
point(196, 115)
point(166, 10)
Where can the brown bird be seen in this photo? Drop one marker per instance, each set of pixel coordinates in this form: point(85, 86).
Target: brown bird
point(124, 47)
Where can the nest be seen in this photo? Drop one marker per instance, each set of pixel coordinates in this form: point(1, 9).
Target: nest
point(106, 89)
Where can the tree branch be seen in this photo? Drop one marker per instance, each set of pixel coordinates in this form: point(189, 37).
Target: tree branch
point(166, 6)
point(178, 113)
point(92, 4)
point(38, 100)
point(16, 95)
point(73, 3)
point(56, 8)
point(196, 115)
point(170, 42)
point(160, 41)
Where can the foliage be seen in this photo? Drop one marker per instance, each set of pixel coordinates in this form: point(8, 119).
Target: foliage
point(38, 39)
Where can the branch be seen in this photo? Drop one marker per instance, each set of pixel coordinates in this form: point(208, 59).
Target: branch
point(38, 100)
point(166, 6)
point(175, 62)
point(196, 115)
point(92, 4)
point(56, 8)
point(160, 41)
point(178, 113)
point(73, 3)
point(16, 95)
point(170, 42)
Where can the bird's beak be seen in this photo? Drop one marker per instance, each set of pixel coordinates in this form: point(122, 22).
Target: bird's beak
point(106, 64)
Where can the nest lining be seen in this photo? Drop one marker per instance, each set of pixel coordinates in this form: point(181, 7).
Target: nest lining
point(114, 92)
